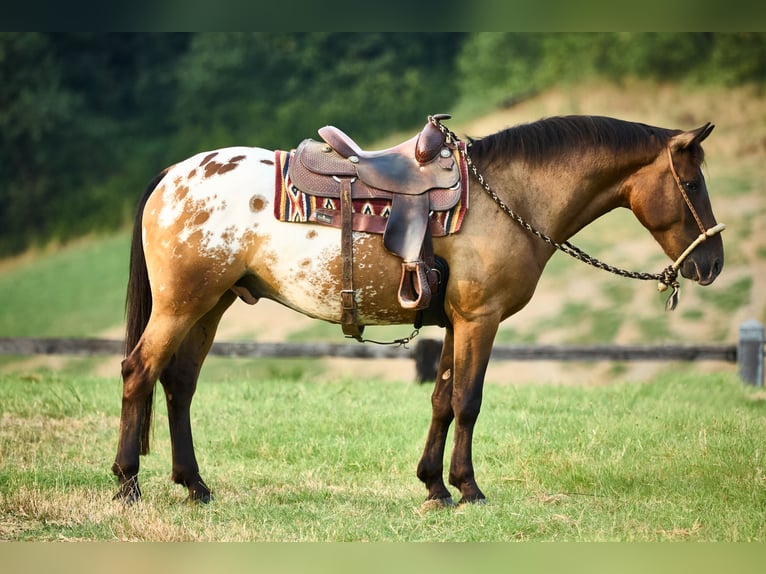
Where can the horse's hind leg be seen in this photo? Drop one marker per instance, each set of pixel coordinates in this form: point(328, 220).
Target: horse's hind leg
point(140, 370)
point(179, 379)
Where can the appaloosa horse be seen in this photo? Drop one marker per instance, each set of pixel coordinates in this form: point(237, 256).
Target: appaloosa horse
point(206, 233)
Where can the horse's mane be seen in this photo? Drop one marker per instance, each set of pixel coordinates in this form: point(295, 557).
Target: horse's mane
point(548, 138)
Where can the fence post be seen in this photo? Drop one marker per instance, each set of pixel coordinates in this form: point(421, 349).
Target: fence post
point(750, 352)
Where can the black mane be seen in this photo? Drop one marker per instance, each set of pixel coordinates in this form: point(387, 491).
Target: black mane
point(550, 137)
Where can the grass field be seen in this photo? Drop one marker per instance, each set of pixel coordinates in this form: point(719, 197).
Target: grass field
point(680, 459)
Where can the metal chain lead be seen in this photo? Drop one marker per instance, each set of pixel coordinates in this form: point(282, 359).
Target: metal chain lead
point(669, 275)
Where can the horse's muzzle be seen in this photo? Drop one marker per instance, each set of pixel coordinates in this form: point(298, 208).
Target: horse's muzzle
point(702, 270)
point(702, 261)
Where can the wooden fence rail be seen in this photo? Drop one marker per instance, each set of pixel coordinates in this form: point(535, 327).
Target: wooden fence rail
point(748, 353)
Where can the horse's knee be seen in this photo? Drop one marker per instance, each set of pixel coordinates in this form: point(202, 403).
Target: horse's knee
point(466, 411)
point(441, 408)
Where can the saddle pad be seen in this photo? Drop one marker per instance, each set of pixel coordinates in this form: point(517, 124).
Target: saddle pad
point(292, 205)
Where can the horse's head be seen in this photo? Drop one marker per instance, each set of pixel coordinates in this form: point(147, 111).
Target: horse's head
point(670, 198)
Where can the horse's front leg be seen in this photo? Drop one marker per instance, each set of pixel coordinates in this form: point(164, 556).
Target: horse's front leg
point(431, 465)
point(473, 346)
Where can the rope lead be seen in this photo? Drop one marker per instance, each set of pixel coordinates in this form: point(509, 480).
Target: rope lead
point(669, 276)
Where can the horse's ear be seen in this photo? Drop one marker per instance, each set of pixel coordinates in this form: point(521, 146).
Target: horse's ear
point(685, 139)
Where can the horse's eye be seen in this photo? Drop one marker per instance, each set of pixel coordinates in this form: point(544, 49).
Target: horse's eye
point(691, 186)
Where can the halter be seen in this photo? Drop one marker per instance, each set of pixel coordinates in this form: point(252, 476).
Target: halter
point(667, 278)
point(704, 233)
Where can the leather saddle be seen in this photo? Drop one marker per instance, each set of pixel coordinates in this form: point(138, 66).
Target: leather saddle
point(417, 176)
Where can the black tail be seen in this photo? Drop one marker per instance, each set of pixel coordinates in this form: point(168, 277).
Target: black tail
point(138, 303)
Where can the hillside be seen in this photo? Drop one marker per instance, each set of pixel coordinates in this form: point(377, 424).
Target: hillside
point(573, 303)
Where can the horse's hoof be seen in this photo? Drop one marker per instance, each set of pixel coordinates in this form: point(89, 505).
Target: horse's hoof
point(477, 501)
point(199, 493)
point(436, 504)
point(200, 499)
point(128, 494)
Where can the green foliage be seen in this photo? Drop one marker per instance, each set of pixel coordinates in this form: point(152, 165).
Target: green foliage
point(274, 89)
point(79, 109)
point(732, 297)
point(506, 67)
point(662, 56)
point(739, 58)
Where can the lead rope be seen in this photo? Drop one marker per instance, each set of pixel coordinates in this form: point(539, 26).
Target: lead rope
point(667, 278)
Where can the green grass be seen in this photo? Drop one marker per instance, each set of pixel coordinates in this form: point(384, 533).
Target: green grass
point(732, 297)
point(74, 291)
point(294, 460)
point(655, 328)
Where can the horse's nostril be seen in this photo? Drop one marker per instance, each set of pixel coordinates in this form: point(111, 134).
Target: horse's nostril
point(716, 267)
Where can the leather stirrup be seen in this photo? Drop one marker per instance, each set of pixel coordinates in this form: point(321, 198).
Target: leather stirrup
point(414, 292)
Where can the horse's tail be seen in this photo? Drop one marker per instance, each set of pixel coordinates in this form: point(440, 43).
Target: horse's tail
point(138, 303)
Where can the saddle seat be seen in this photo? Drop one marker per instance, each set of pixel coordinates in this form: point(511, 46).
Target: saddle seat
point(403, 168)
point(428, 143)
point(417, 176)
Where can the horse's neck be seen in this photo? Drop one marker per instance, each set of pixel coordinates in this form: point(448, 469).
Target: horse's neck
point(565, 197)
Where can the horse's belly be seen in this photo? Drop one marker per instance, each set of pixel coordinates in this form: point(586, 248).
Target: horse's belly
point(303, 264)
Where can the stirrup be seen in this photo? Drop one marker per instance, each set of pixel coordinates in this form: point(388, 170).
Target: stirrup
point(414, 292)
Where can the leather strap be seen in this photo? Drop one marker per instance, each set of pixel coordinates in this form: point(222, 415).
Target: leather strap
point(349, 317)
point(680, 186)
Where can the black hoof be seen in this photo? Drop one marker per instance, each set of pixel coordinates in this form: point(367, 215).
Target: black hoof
point(194, 499)
point(129, 492)
point(199, 493)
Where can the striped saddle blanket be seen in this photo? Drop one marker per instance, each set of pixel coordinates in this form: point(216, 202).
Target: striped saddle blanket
point(370, 214)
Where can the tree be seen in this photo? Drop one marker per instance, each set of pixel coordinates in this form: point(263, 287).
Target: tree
point(75, 107)
point(740, 57)
point(37, 108)
point(274, 89)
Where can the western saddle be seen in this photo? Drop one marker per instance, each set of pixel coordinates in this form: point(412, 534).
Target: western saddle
point(417, 176)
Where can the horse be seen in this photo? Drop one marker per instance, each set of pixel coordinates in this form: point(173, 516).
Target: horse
point(205, 234)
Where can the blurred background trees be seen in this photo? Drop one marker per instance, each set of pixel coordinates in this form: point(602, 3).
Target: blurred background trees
point(87, 119)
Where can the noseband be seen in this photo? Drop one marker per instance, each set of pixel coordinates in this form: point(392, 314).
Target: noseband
point(704, 233)
point(667, 278)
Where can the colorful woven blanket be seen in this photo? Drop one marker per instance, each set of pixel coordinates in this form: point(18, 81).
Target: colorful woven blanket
point(292, 205)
